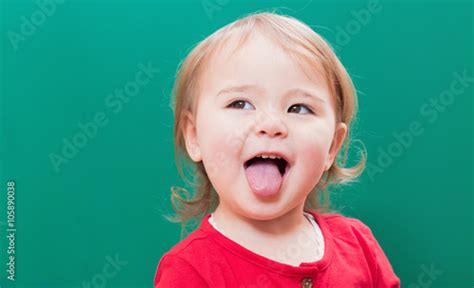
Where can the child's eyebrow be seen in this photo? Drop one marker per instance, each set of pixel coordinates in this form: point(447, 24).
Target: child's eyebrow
point(304, 93)
point(291, 92)
point(241, 88)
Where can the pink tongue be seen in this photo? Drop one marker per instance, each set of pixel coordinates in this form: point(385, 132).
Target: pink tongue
point(264, 177)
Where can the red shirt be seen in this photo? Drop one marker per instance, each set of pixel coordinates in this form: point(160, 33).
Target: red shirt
point(206, 258)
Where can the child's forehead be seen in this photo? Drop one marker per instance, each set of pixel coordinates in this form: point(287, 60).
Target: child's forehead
point(217, 77)
point(236, 47)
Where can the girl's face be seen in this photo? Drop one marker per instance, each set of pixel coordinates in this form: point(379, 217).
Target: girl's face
point(258, 99)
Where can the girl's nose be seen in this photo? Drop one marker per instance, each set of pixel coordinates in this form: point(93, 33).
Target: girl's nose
point(271, 124)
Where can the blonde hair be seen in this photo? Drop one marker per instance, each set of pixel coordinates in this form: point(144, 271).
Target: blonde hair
point(298, 40)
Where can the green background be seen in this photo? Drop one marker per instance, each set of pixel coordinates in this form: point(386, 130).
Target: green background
point(107, 200)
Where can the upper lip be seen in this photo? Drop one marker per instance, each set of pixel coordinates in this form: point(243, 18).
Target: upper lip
point(274, 153)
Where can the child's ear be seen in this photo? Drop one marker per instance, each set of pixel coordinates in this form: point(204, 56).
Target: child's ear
point(190, 137)
point(338, 139)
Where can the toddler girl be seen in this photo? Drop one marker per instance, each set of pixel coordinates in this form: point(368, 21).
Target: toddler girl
point(262, 164)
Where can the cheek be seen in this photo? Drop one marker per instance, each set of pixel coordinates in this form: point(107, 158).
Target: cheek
point(224, 130)
point(221, 146)
point(314, 156)
point(313, 150)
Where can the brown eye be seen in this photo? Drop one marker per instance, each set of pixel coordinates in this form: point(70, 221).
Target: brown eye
point(239, 104)
point(296, 110)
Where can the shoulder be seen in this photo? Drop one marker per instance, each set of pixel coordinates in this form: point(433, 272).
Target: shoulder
point(346, 226)
point(195, 245)
point(195, 240)
point(338, 218)
point(350, 235)
point(174, 271)
point(176, 267)
point(352, 230)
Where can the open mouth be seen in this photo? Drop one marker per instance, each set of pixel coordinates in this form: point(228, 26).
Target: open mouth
point(266, 174)
point(280, 163)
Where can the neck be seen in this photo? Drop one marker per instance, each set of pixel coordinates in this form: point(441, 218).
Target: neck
point(239, 226)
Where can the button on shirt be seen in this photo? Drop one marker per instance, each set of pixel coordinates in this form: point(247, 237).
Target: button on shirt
point(307, 282)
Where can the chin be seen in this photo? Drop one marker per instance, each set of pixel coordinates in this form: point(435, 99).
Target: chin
point(265, 214)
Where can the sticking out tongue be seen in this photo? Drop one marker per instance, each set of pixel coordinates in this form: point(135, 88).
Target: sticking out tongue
point(263, 177)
